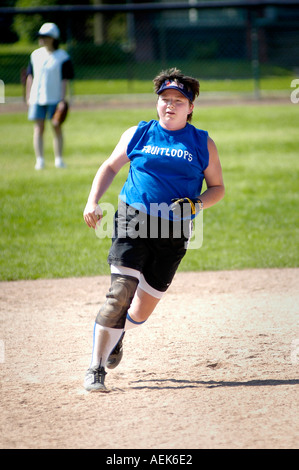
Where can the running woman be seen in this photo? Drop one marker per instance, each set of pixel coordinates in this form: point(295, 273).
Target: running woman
point(169, 159)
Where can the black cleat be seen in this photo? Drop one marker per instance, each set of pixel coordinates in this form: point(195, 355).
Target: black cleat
point(116, 355)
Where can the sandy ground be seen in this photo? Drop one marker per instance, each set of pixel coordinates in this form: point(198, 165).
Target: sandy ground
point(216, 366)
point(148, 101)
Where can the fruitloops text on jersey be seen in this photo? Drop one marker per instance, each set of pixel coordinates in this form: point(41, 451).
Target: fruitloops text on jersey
point(164, 151)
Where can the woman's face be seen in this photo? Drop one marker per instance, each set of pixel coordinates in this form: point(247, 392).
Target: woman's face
point(46, 41)
point(173, 109)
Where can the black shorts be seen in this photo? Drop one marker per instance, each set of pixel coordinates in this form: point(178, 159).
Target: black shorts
point(151, 245)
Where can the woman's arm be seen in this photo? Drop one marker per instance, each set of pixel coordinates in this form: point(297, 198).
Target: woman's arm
point(104, 177)
point(64, 87)
point(213, 176)
point(29, 81)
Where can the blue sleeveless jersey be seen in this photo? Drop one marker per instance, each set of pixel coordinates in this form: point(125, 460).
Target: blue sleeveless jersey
point(164, 165)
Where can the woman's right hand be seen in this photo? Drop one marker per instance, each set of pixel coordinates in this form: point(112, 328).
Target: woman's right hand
point(92, 215)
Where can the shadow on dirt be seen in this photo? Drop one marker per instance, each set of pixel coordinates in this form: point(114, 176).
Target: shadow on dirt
point(181, 383)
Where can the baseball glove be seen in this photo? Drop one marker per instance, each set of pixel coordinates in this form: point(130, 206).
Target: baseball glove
point(194, 205)
point(60, 113)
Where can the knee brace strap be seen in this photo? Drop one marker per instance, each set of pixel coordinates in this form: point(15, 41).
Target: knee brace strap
point(118, 300)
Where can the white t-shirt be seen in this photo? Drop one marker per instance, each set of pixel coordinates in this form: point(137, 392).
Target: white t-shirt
point(47, 75)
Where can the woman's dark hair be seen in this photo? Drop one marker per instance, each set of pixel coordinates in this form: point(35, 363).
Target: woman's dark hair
point(174, 74)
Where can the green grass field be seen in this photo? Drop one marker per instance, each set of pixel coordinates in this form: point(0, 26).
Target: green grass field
point(267, 85)
point(256, 225)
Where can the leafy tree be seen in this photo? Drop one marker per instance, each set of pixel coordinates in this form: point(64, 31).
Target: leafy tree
point(27, 26)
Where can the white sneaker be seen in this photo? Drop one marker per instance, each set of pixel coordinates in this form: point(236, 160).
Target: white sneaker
point(40, 163)
point(59, 163)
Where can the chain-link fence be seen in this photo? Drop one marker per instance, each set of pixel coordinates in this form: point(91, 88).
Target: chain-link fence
point(134, 41)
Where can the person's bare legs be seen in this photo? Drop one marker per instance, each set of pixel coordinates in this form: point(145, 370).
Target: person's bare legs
point(142, 306)
point(38, 143)
point(58, 146)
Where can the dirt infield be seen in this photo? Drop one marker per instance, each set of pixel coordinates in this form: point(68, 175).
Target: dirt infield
point(216, 366)
point(148, 101)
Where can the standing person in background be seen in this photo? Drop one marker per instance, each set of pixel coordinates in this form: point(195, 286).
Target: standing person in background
point(169, 159)
point(48, 73)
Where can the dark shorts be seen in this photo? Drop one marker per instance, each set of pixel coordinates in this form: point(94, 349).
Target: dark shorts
point(151, 245)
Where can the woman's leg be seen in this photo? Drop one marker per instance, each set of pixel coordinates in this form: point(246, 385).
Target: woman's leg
point(38, 143)
point(109, 327)
point(142, 306)
point(58, 146)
